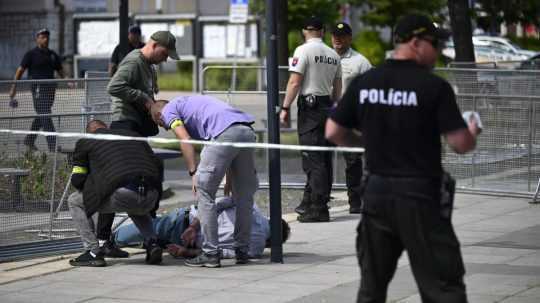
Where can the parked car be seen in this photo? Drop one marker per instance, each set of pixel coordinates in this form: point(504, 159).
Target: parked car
point(515, 52)
point(483, 52)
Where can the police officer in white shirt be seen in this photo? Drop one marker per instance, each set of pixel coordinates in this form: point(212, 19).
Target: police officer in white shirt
point(352, 65)
point(316, 79)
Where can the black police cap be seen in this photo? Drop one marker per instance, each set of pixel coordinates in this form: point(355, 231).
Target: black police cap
point(43, 31)
point(418, 25)
point(313, 23)
point(135, 29)
point(342, 29)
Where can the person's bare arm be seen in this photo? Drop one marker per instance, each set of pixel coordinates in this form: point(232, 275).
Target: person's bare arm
point(293, 88)
point(188, 152)
point(340, 135)
point(463, 140)
point(18, 75)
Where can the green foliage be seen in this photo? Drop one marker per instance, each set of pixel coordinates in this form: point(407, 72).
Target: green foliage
point(37, 185)
point(526, 42)
point(387, 12)
point(181, 80)
point(512, 11)
point(370, 44)
point(298, 11)
point(221, 79)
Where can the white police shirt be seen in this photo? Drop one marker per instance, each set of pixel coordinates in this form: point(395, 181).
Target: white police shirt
point(352, 65)
point(320, 66)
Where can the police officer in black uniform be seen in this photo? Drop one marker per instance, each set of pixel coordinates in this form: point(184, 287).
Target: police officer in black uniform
point(134, 42)
point(316, 80)
point(402, 109)
point(41, 63)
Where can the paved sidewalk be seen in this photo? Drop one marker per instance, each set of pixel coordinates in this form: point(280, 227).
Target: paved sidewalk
point(500, 240)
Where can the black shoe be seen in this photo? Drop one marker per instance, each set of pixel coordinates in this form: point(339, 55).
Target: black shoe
point(204, 260)
point(110, 250)
point(302, 208)
point(241, 257)
point(315, 215)
point(355, 209)
point(88, 258)
point(153, 252)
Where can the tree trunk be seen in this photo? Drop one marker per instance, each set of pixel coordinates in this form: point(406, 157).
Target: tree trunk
point(460, 21)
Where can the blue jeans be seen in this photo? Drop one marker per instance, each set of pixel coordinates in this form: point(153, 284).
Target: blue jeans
point(168, 228)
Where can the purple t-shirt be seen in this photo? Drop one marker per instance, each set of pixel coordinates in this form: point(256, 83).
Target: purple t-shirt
point(204, 117)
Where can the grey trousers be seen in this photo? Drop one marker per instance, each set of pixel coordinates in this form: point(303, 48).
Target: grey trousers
point(240, 165)
point(122, 200)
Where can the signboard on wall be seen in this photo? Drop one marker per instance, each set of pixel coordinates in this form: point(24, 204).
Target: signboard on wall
point(238, 11)
point(230, 40)
point(85, 6)
point(97, 38)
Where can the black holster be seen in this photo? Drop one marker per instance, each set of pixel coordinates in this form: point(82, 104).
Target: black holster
point(448, 189)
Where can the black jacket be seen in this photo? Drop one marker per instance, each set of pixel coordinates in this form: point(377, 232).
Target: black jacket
point(102, 166)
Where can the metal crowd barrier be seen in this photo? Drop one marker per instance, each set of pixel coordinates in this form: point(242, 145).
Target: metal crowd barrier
point(507, 159)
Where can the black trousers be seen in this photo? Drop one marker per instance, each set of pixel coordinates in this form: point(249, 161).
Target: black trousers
point(43, 99)
point(105, 221)
point(405, 213)
point(316, 165)
point(353, 177)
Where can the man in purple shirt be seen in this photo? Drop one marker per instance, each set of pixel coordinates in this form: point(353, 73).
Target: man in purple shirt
point(206, 118)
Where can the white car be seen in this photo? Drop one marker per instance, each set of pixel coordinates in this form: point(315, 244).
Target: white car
point(483, 52)
point(514, 51)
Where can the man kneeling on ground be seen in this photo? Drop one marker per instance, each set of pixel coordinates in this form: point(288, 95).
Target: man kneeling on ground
point(180, 231)
point(114, 176)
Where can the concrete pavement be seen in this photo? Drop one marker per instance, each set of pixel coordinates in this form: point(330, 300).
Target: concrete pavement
point(500, 239)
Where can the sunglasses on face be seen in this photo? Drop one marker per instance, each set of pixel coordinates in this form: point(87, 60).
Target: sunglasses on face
point(437, 44)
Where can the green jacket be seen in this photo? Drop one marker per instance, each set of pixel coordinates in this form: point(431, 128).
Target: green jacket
point(134, 82)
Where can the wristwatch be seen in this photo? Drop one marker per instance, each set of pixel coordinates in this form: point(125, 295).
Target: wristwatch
point(191, 173)
point(285, 108)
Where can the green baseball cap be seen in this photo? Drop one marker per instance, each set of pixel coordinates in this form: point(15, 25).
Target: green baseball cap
point(168, 40)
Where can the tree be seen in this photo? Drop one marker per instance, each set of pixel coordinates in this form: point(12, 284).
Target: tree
point(460, 20)
point(510, 11)
point(387, 12)
point(291, 16)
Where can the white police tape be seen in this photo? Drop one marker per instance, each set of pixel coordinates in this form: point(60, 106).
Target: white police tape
point(196, 142)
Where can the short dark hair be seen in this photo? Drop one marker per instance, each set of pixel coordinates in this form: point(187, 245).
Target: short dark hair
point(95, 124)
point(285, 233)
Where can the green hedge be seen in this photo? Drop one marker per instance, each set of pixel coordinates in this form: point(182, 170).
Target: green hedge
point(370, 44)
point(526, 42)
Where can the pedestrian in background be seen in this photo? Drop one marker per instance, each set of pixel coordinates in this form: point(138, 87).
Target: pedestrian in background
point(353, 64)
point(41, 63)
point(402, 109)
point(316, 80)
point(134, 42)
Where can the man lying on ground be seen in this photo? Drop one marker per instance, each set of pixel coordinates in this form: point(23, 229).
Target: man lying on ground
point(179, 231)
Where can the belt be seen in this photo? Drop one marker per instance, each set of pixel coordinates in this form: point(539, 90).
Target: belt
point(248, 124)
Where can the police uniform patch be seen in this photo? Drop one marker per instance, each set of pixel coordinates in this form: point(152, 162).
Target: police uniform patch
point(294, 61)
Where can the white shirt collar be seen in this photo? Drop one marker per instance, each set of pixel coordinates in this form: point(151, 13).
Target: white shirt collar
point(314, 40)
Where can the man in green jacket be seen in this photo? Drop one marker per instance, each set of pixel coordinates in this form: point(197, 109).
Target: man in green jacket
point(132, 88)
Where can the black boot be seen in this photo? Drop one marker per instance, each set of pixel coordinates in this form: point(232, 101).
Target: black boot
point(315, 214)
point(110, 250)
point(154, 252)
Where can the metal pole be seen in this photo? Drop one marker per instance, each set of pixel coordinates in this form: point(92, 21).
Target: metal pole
point(274, 168)
point(529, 145)
point(123, 12)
